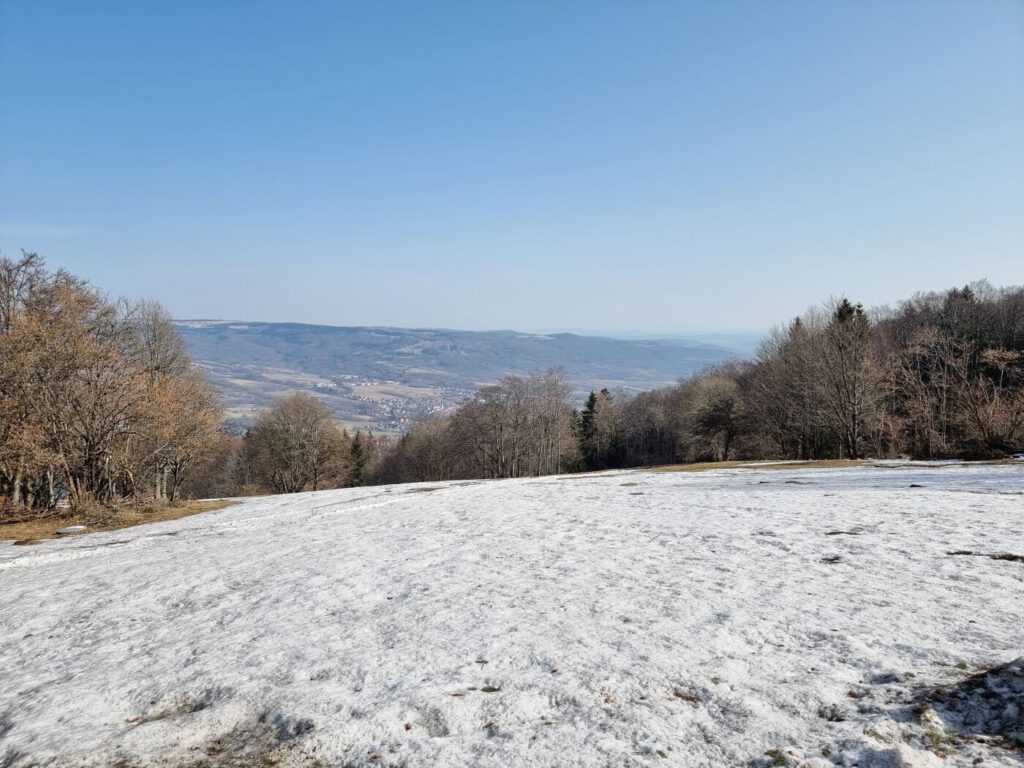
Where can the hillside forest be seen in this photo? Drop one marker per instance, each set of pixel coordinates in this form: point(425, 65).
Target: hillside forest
point(101, 406)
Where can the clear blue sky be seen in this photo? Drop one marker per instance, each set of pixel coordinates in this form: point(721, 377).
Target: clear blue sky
point(664, 166)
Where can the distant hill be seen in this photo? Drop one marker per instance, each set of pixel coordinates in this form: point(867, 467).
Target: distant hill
point(382, 378)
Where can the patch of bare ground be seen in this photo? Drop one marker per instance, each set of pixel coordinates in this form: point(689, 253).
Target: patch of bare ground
point(264, 741)
point(104, 519)
point(709, 465)
point(986, 707)
point(704, 466)
point(1007, 556)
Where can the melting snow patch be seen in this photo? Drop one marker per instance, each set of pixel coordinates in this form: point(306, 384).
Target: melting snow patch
point(710, 622)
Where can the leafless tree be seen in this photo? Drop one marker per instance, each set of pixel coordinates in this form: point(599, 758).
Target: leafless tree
point(295, 445)
point(83, 405)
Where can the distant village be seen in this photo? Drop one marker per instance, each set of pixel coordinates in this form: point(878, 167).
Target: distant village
point(392, 408)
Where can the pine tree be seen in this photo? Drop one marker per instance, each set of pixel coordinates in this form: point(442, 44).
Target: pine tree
point(587, 420)
point(358, 460)
point(598, 441)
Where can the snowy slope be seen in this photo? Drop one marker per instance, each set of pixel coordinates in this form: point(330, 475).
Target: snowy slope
point(690, 619)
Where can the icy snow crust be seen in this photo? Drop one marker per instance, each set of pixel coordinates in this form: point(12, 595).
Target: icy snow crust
point(617, 619)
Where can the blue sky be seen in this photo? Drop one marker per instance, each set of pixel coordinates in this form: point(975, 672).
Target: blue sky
point(663, 166)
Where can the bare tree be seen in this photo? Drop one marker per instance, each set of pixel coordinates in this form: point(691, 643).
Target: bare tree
point(87, 397)
point(714, 417)
point(295, 445)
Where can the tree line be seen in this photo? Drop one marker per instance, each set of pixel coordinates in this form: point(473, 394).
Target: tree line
point(518, 427)
point(101, 404)
point(293, 445)
point(939, 376)
point(99, 400)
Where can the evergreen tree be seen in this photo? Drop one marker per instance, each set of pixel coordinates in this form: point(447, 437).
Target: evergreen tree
point(599, 445)
point(358, 460)
point(587, 421)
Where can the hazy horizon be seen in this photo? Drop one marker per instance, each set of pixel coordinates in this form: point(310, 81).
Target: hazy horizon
point(626, 333)
point(677, 169)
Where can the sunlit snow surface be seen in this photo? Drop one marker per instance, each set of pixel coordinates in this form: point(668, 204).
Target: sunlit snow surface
point(632, 618)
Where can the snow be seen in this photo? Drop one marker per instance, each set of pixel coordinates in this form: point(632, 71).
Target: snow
point(630, 618)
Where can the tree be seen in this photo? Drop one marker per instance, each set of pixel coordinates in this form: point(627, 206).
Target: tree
point(784, 396)
point(846, 375)
point(357, 460)
point(599, 444)
point(91, 393)
point(714, 417)
point(551, 444)
point(428, 451)
point(295, 446)
point(650, 426)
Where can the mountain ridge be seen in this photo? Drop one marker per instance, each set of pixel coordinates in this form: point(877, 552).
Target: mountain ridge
point(383, 377)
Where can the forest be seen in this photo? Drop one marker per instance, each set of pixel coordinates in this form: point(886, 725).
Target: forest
point(101, 405)
point(939, 376)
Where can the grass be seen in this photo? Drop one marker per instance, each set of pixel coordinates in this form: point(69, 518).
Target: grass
point(940, 742)
point(709, 465)
point(103, 519)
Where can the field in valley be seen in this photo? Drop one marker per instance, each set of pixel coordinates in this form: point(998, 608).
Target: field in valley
point(734, 617)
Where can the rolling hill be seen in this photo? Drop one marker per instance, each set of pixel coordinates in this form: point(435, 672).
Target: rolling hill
point(382, 378)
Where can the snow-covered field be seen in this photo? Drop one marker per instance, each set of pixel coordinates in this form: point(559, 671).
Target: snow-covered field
point(619, 619)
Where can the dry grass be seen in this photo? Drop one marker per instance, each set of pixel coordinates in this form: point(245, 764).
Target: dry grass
point(708, 465)
point(817, 464)
point(102, 519)
point(820, 464)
